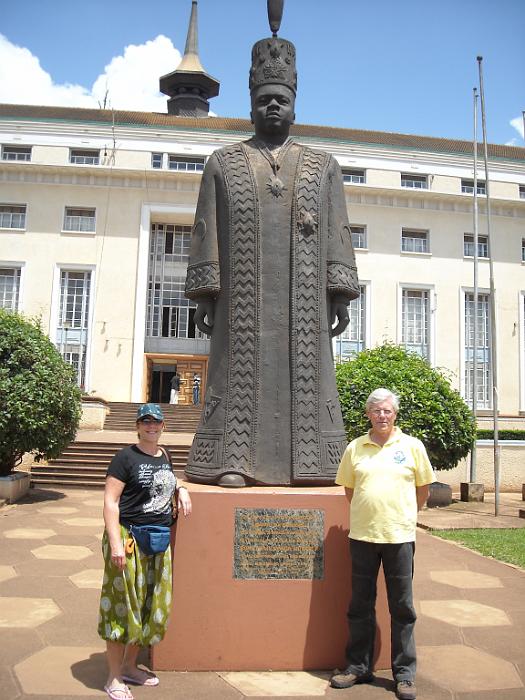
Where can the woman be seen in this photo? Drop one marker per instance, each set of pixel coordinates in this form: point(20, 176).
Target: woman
point(136, 592)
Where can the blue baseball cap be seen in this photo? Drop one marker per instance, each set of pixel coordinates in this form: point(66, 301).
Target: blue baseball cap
point(150, 409)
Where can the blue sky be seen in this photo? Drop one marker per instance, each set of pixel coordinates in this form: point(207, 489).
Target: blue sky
point(405, 66)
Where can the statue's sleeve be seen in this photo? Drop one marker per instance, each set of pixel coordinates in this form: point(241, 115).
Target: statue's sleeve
point(342, 281)
point(202, 277)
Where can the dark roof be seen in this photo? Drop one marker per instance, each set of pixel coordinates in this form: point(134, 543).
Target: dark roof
point(158, 120)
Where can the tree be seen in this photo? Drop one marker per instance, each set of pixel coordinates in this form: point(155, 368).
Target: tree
point(39, 399)
point(430, 409)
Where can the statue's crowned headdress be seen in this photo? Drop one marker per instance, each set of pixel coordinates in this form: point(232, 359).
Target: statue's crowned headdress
point(273, 59)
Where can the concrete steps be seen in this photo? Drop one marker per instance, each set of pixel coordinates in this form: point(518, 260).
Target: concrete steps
point(179, 418)
point(84, 464)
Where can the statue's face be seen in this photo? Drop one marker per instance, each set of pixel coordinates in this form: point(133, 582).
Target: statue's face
point(272, 109)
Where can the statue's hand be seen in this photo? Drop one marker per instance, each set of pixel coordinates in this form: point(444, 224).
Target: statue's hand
point(339, 311)
point(205, 309)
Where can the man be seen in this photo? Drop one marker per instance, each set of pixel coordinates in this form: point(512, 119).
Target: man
point(272, 269)
point(196, 388)
point(386, 475)
point(175, 388)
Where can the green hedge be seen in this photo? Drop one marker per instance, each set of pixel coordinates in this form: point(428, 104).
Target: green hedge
point(484, 434)
point(39, 398)
point(430, 409)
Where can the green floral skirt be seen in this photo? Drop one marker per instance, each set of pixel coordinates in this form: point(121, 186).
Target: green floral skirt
point(135, 603)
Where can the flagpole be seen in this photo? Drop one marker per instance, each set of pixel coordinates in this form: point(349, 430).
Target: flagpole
point(473, 454)
point(493, 335)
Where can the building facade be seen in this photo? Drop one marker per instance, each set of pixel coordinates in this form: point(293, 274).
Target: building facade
point(96, 210)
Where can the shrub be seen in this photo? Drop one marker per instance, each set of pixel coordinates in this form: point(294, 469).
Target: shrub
point(430, 409)
point(39, 398)
point(505, 434)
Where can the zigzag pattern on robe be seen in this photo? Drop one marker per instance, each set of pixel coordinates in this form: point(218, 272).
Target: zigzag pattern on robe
point(244, 331)
point(306, 317)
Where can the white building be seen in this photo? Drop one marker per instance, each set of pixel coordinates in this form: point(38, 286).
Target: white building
point(96, 209)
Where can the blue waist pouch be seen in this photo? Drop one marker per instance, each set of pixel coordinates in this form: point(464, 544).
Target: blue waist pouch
point(151, 539)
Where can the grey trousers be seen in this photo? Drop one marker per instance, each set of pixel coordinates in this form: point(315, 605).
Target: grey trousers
point(398, 566)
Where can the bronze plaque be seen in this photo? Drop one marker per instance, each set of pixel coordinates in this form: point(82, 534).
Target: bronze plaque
point(278, 543)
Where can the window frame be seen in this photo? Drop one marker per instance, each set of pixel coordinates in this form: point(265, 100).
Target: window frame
point(23, 214)
point(23, 150)
point(363, 231)
point(365, 325)
point(425, 235)
point(354, 176)
point(180, 159)
point(483, 243)
point(467, 186)
point(84, 156)
point(19, 268)
point(79, 217)
point(429, 289)
point(483, 292)
point(412, 177)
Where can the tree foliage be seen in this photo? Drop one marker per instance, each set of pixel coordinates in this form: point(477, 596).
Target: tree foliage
point(430, 409)
point(39, 399)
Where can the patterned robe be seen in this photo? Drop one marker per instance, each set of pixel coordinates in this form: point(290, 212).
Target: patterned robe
point(272, 259)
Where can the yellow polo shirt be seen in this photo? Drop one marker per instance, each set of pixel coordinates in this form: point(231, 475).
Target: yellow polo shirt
point(384, 480)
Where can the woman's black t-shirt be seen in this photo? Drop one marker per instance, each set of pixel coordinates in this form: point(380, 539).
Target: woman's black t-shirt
point(149, 487)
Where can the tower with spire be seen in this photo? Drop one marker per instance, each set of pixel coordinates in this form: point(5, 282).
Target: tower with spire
point(189, 86)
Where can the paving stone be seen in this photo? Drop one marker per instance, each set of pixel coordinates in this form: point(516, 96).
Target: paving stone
point(26, 612)
point(62, 552)
point(71, 671)
point(8, 684)
point(88, 578)
point(57, 510)
point(85, 522)
point(466, 579)
point(22, 643)
point(464, 613)
point(277, 683)
point(28, 533)
point(463, 669)
point(95, 502)
point(6, 572)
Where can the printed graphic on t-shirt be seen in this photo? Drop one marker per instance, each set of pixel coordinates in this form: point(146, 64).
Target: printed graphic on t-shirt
point(161, 484)
point(399, 457)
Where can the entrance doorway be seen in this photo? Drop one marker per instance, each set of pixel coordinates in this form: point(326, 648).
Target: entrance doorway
point(160, 370)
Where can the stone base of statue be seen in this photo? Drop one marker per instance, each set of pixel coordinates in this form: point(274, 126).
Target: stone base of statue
point(261, 580)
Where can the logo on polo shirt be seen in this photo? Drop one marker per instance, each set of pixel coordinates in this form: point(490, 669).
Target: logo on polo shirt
point(399, 457)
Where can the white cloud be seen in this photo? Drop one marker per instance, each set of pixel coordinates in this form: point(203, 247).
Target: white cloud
point(132, 79)
point(517, 123)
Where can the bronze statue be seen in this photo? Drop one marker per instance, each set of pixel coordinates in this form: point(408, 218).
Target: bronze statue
point(272, 268)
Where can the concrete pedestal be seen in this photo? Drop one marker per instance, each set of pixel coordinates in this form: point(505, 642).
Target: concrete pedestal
point(471, 492)
point(14, 486)
point(221, 622)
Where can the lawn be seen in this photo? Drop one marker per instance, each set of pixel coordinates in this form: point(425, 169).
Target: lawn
point(505, 545)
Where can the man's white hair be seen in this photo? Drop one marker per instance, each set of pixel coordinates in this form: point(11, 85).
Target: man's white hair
point(379, 395)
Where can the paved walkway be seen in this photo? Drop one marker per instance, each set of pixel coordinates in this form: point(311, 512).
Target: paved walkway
point(470, 631)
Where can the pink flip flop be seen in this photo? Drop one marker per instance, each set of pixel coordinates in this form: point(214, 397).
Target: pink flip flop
point(118, 693)
point(150, 680)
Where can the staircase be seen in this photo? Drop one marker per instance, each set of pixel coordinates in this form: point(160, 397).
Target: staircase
point(84, 464)
point(179, 418)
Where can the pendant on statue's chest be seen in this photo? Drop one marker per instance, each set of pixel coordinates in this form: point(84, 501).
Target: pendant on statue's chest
point(275, 186)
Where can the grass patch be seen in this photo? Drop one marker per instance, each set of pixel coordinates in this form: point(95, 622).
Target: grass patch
point(505, 544)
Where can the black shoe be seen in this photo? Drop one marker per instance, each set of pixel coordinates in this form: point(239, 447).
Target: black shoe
point(406, 690)
point(347, 678)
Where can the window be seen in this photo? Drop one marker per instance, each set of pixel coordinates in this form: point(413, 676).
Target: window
point(468, 246)
point(356, 177)
point(415, 321)
point(73, 319)
point(418, 182)
point(9, 288)
point(189, 165)
point(353, 339)
point(84, 156)
point(156, 160)
point(467, 186)
point(358, 236)
point(522, 191)
point(414, 241)
point(13, 216)
point(169, 313)
point(79, 219)
point(16, 153)
point(483, 359)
